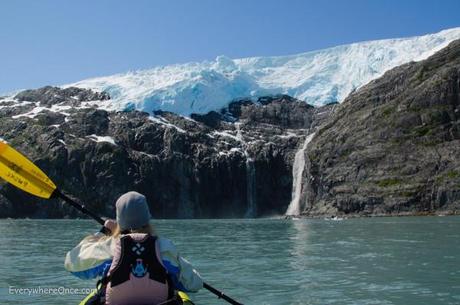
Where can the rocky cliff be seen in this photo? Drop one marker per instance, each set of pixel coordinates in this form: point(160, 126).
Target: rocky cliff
point(392, 147)
point(231, 163)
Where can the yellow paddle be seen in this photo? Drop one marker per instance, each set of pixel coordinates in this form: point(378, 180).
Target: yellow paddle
point(22, 173)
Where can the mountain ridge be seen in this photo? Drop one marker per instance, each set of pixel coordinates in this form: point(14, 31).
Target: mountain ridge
point(391, 148)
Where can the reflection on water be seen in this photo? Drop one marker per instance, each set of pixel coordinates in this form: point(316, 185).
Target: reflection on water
point(300, 244)
point(269, 261)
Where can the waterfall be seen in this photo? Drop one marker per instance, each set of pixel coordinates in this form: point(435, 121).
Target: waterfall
point(297, 173)
point(251, 188)
point(251, 210)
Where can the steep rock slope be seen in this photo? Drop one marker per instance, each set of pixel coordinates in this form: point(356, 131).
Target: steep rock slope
point(392, 147)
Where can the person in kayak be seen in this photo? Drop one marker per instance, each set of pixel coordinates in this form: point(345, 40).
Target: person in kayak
point(136, 266)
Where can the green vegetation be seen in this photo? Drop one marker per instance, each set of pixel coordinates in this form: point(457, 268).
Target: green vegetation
point(389, 182)
point(322, 130)
point(431, 143)
point(407, 194)
point(420, 76)
point(438, 116)
point(42, 120)
point(424, 73)
point(388, 111)
point(452, 174)
point(397, 141)
point(345, 153)
point(422, 131)
point(313, 157)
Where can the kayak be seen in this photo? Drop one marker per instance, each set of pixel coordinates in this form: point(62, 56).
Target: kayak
point(183, 296)
point(185, 299)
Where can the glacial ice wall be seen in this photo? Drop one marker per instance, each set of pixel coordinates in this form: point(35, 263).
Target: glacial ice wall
point(317, 77)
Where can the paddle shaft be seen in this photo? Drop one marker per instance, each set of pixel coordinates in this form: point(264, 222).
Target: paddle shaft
point(85, 211)
point(221, 295)
point(78, 206)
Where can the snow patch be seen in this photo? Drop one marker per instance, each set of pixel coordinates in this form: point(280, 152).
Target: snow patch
point(16, 103)
point(31, 114)
point(164, 122)
point(225, 134)
point(97, 138)
point(39, 109)
point(288, 135)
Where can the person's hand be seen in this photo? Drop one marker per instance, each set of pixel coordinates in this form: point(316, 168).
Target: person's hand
point(111, 225)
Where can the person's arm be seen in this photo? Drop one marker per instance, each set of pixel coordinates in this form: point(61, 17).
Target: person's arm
point(182, 273)
point(91, 257)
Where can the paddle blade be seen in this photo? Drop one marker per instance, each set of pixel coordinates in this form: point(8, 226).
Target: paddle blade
point(22, 173)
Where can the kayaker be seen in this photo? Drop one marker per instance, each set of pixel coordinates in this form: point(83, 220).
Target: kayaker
point(135, 265)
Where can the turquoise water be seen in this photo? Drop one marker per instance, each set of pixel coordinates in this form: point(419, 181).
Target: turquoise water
point(413, 260)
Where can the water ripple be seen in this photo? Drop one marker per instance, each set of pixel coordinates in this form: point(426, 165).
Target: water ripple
point(268, 261)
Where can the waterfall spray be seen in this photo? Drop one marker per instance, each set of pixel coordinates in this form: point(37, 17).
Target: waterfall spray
point(297, 173)
point(251, 210)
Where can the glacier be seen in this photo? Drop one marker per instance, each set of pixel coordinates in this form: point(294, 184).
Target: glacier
point(317, 77)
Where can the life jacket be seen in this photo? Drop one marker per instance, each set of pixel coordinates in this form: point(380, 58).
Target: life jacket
point(137, 275)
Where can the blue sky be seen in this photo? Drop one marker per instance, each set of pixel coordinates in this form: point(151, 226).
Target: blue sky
point(56, 42)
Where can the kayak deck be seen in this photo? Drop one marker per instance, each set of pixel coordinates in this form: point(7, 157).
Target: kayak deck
point(183, 296)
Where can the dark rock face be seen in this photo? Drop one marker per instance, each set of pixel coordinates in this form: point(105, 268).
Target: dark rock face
point(286, 112)
point(72, 96)
point(392, 147)
point(232, 163)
